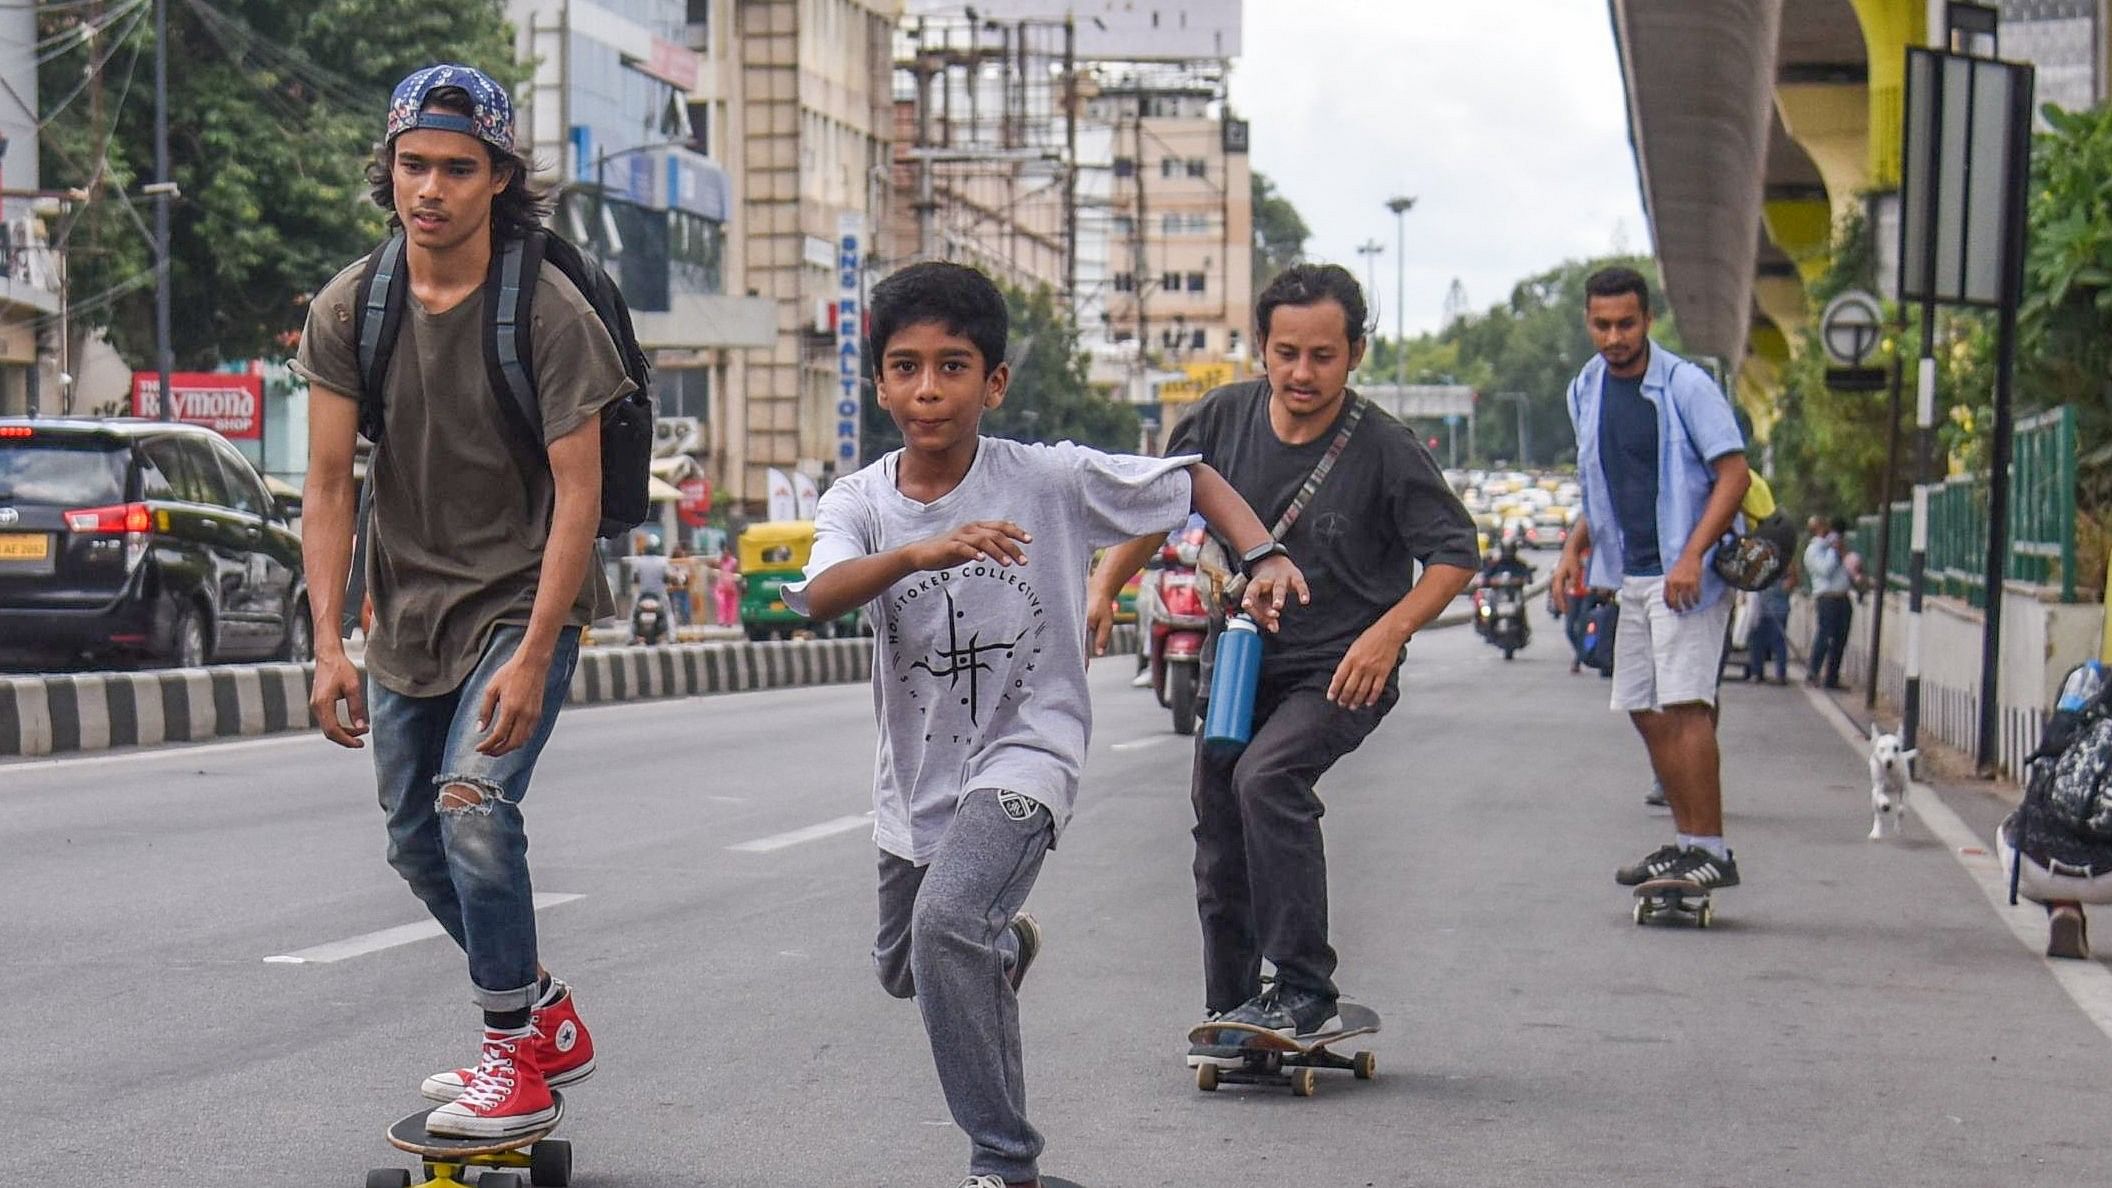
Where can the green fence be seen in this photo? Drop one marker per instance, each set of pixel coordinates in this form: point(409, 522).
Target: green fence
point(2041, 519)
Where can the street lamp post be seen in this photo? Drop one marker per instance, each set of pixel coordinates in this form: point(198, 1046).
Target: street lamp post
point(1400, 206)
point(1524, 443)
point(162, 190)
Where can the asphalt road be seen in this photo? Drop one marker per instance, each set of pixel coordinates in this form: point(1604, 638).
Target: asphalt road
point(1860, 1013)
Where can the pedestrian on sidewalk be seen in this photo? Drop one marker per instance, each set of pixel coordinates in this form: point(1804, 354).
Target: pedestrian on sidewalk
point(479, 566)
point(970, 554)
point(1770, 635)
point(678, 583)
point(1663, 468)
point(1833, 597)
point(726, 587)
point(1363, 522)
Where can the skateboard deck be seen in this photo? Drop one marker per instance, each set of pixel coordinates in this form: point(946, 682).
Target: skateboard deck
point(1674, 899)
point(1273, 1058)
point(449, 1160)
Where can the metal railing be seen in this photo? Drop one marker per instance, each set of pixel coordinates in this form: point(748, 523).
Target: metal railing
point(2041, 520)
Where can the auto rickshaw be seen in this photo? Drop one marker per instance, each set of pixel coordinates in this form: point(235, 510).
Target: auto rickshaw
point(772, 554)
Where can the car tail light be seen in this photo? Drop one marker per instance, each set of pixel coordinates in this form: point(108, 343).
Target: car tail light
point(131, 520)
point(16, 431)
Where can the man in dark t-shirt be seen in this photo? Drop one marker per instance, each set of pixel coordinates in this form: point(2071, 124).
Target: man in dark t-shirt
point(1331, 670)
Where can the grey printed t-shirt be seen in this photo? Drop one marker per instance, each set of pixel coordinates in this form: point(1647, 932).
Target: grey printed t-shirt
point(979, 670)
point(461, 511)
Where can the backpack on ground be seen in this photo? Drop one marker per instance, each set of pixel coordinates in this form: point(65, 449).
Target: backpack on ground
point(2069, 776)
point(509, 297)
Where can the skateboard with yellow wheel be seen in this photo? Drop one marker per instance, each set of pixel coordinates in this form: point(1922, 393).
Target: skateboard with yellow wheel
point(512, 1162)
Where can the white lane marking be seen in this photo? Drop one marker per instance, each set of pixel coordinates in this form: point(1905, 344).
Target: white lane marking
point(779, 841)
point(387, 938)
point(2087, 983)
point(1138, 744)
point(176, 752)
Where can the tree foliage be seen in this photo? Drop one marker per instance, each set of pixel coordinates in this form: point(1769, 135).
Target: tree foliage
point(1049, 398)
point(274, 109)
point(1279, 231)
point(1531, 344)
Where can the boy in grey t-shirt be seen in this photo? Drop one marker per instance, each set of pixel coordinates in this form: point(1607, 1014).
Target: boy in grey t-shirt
point(979, 676)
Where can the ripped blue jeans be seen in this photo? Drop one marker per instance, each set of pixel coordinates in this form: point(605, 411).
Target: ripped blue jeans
point(467, 856)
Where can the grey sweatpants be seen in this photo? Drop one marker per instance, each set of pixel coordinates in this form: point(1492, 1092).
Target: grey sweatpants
point(943, 940)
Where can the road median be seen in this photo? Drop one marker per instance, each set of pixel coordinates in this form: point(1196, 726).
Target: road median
point(72, 712)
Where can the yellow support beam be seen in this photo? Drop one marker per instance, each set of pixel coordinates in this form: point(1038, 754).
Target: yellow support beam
point(1803, 229)
point(1889, 27)
point(1759, 378)
point(1781, 298)
point(1831, 123)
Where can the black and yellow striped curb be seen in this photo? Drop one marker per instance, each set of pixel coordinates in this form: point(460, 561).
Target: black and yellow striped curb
point(43, 715)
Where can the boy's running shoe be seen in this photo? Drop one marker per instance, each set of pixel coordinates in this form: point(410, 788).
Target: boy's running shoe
point(1028, 935)
point(1655, 797)
point(1700, 867)
point(1224, 1055)
point(1652, 866)
point(562, 1049)
point(506, 1095)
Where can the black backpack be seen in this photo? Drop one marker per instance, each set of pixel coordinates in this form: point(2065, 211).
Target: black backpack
point(509, 297)
point(509, 301)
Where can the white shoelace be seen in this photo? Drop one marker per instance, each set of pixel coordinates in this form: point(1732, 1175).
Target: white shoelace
point(494, 1077)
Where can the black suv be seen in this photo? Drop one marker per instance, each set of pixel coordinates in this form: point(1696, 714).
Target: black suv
point(142, 539)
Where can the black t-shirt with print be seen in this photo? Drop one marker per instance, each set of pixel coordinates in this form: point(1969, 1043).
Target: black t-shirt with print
point(1384, 507)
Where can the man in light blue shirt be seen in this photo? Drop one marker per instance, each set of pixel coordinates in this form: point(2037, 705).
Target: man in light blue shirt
point(1831, 589)
point(1663, 468)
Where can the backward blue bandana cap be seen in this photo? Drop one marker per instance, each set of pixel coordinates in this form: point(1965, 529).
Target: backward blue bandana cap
point(491, 120)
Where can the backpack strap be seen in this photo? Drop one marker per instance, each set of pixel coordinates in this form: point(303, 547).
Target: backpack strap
point(509, 301)
point(1319, 474)
point(377, 317)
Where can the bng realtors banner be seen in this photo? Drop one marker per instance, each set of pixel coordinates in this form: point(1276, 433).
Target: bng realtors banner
point(232, 405)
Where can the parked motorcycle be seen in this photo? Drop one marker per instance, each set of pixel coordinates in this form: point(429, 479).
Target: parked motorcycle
point(1499, 614)
point(1179, 624)
point(649, 623)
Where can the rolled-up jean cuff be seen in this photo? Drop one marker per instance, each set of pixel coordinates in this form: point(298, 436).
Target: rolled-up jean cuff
point(506, 1000)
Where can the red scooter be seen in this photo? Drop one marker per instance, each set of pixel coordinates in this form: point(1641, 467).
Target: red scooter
point(1179, 624)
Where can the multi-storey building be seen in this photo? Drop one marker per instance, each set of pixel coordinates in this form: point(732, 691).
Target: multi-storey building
point(29, 273)
point(621, 108)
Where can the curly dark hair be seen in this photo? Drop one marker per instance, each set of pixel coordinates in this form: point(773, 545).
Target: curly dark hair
point(517, 210)
point(954, 296)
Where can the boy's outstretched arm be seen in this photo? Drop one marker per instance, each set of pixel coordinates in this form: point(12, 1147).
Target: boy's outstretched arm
point(850, 584)
point(1273, 580)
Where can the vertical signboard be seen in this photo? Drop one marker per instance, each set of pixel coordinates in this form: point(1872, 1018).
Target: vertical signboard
point(850, 329)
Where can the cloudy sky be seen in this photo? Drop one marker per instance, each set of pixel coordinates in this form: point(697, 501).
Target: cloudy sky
point(1503, 118)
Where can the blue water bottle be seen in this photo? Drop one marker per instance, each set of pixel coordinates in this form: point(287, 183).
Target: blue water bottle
point(1235, 674)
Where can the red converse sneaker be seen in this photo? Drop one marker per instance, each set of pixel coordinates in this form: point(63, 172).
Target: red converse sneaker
point(506, 1095)
point(563, 1050)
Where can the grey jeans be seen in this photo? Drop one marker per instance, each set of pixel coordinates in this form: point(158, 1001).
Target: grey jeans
point(943, 940)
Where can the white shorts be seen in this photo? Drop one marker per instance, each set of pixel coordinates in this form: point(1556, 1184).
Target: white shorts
point(1662, 657)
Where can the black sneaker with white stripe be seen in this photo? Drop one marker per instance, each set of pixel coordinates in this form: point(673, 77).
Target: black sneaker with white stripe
point(1704, 869)
point(1651, 866)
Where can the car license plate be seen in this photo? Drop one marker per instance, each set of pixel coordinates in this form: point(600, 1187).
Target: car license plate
point(24, 546)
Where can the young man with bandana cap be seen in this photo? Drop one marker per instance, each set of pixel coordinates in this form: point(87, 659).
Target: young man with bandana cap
point(478, 569)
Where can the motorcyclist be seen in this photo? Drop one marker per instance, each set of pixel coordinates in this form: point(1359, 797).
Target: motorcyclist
point(1505, 567)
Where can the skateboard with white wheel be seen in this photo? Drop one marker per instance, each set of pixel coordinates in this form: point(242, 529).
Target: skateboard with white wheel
point(449, 1162)
point(1273, 1058)
point(1674, 900)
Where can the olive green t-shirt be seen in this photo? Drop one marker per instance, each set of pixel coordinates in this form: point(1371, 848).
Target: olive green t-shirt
point(461, 511)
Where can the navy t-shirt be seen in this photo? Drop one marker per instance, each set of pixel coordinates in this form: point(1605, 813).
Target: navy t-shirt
point(1628, 454)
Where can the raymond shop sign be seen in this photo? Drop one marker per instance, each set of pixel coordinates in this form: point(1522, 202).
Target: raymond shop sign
point(231, 405)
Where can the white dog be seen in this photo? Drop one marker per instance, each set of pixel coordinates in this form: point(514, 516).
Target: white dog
point(1890, 771)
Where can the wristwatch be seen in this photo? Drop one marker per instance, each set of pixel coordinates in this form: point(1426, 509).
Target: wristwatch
point(1260, 553)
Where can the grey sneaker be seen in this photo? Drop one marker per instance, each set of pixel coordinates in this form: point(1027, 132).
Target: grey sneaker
point(1705, 869)
point(1651, 866)
point(1655, 797)
point(1027, 934)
